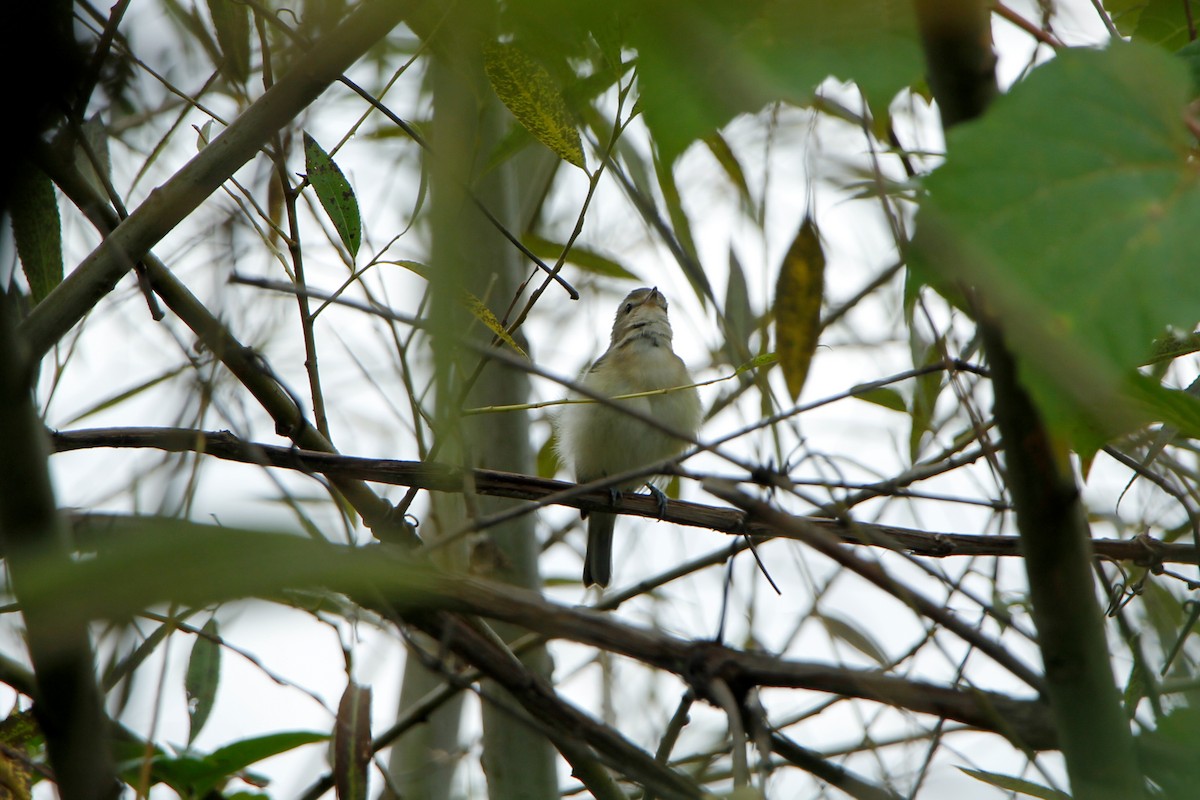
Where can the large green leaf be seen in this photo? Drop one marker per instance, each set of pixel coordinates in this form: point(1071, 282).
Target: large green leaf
point(702, 63)
point(1071, 208)
point(1161, 22)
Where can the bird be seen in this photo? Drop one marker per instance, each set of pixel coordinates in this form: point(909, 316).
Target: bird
point(596, 439)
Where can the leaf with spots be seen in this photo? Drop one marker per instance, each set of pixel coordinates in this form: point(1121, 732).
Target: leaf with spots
point(528, 91)
point(334, 193)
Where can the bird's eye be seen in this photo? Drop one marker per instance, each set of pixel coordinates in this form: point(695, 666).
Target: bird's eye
point(628, 307)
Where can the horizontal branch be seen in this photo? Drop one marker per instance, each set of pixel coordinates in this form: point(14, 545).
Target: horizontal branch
point(137, 562)
point(432, 476)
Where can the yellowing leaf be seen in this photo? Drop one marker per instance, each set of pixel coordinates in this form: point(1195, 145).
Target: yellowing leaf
point(528, 91)
point(352, 743)
point(798, 294)
point(485, 315)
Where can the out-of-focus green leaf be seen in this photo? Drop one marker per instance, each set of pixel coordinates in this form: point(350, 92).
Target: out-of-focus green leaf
point(194, 775)
point(547, 459)
point(681, 227)
point(352, 743)
point(1157, 22)
point(415, 267)
point(926, 389)
point(739, 317)
point(798, 295)
point(37, 230)
point(586, 259)
point(1135, 686)
point(1190, 53)
point(334, 193)
point(528, 91)
point(202, 677)
point(121, 397)
point(702, 63)
point(1013, 784)
point(231, 19)
point(845, 631)
point(884, 396)
point(1072, 207)
point(1168, 753)
point(729, 162)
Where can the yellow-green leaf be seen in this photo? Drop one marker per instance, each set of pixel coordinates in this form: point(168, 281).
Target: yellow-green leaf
point(798, 294)
point(485, 315)
point(528, 91)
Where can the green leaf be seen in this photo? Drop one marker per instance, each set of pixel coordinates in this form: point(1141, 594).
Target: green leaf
point(926, 390)
point(588, 260)
point(334, 193)
point(202, 677)
point(1168, 753)
point(352, 743)
point(1157, 22)
point(702, 63)
point(37, 230)
point(798, 294)
point(1012, 784)
point(194, 775)
point(231, 19)
point(547, 459)
point(729, 162)
point(1071, 207)
point(739, 317)
point(884, 396)
point(528, 91)
point(681, 227)
point(856, 637)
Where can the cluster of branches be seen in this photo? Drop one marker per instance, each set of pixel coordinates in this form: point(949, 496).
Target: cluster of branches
point(1073, 706)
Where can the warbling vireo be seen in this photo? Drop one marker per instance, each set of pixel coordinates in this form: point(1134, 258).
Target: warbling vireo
point(596, 440)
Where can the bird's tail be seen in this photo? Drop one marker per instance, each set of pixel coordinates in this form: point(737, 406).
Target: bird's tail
point(597, 564)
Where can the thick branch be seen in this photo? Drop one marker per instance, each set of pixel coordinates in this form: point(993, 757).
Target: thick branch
point(437, 477)
point(188, 563)
point(169, 204)
point(68, 708)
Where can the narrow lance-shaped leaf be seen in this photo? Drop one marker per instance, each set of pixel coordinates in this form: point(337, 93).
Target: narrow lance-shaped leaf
point(231, 18)
point(1014, 784)
point(334, 193)
point(352, 743)
point(798, 294)
point(203, 675)
point(484, 314)
point(37, 230)
point(528, 91)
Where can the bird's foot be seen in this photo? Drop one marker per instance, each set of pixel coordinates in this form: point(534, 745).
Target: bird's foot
point(614, 495)
point(659, 497)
